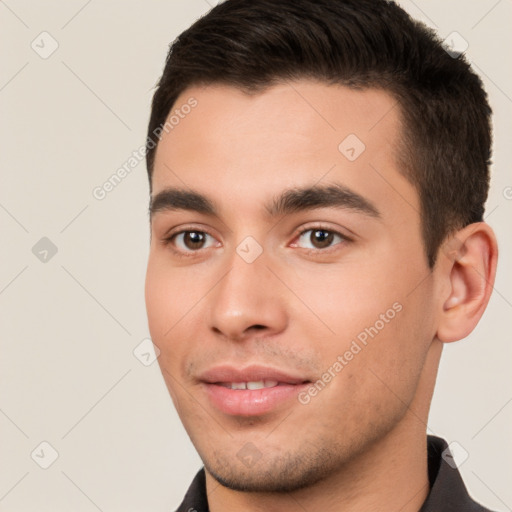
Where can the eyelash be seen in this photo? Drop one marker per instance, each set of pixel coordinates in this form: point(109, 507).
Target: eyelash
point(168, 241)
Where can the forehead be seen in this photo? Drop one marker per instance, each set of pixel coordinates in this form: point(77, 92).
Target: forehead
point(237, 146)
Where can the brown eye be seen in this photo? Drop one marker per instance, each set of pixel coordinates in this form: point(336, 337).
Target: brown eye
point(194, 239)
point(319, 239)
point(188, 241)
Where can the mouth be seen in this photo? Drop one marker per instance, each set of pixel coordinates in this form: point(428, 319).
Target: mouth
point(255, 384)
point(252, 391)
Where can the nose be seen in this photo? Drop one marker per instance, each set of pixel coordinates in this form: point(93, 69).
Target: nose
point(245, 303)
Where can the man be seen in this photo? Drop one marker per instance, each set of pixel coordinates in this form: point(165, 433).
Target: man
point(318, 174)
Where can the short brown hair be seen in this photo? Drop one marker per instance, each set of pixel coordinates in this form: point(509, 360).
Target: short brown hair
point(446, 133)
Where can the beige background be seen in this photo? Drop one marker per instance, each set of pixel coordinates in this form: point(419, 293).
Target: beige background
point(69, 326)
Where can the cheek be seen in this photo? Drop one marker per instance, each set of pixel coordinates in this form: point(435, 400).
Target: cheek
point(375, 375)
point(175, 300)
point(346, 299)
point(351, 295)
point(370, 315)
point(167, 302)
point(171, 294)
point(158, 296)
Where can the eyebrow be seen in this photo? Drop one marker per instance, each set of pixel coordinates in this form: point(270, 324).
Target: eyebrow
point(290, 201)
point(179, 199)
point(309, 198)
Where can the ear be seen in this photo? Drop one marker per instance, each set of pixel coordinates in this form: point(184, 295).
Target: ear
point(467, 270)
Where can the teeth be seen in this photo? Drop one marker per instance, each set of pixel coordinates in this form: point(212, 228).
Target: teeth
point(259, 384)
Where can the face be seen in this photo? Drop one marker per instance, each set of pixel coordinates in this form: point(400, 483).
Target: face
point(287, 285)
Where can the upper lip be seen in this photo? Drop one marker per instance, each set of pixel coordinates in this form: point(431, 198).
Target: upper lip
point(254, 373)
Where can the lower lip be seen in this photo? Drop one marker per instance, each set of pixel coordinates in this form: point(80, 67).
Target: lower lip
point(251, 402)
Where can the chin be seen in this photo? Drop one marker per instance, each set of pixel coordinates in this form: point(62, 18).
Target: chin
point(280, 475)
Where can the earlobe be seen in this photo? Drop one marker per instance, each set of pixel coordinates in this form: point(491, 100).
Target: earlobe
point(469, 269)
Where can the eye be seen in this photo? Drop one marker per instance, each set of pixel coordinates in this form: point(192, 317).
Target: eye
point(189, 241)
point(318, 238)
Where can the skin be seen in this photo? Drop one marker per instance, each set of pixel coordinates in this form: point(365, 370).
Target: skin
point(298, 307)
